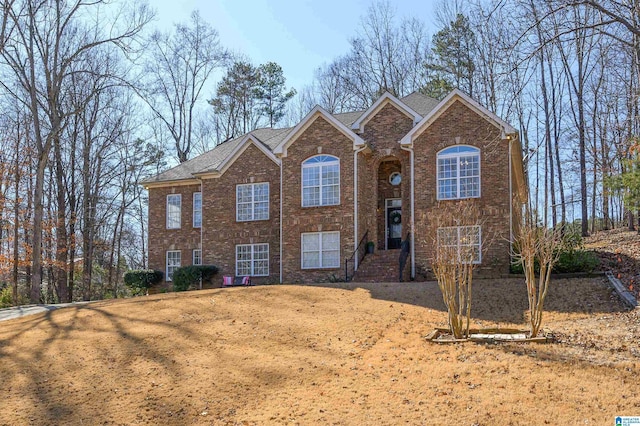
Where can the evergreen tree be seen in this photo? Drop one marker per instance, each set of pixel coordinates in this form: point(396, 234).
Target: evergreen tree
point(452, 60)
point(271, 92)
point(235, 102)
point(630, 180)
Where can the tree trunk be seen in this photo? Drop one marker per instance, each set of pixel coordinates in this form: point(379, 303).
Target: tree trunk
point(38, 214)
point(61, 226)
point(16, 219)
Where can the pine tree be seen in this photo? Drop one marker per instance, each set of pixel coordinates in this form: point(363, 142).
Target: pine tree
point(452, 59)
point(271, 92)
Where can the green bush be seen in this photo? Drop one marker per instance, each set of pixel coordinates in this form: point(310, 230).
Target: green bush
point(569, 261)
point(572, 236)
point(189, 276)
point(576, 261)
point(139, 280)
point(6, 297)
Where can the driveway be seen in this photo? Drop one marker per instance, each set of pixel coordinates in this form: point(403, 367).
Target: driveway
point(21, 311)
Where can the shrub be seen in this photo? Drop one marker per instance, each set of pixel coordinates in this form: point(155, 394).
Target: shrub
point(190, 276)
point(576, 261)
point(569, 261)
point(6, 297)
point(139, 280)
point(572, 236)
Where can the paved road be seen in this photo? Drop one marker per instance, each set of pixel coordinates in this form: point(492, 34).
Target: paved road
point(21, 311)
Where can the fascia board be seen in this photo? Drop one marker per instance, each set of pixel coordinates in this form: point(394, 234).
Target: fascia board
point(318, 111)
point(449, 100)
point(382, 101)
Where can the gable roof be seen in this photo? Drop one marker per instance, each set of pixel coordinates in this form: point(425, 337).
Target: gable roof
point(384, 100)
point(219, 157)
point(215, 161)
point(309, 119)
point(450, 99)
point(241, 147)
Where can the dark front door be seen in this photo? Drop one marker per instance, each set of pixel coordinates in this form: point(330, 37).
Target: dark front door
point(394, 227)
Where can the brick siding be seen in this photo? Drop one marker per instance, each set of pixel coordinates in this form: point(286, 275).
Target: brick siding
point(382, 132)
point(459, 125)
point(186, 238)
point(222, 232)
point(321, 137)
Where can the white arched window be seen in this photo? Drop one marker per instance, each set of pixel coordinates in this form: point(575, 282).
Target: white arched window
point(321, 181)
point(458, 172)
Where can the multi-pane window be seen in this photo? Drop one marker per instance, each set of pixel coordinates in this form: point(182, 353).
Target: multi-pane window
point(321, 250)
point(460, 243)
point(321, 181)
point(174, 257)
point(173, 211)
point(197, 209)
point(252, 202)
point(197, 257)
point(458, 172)
point(252, 260)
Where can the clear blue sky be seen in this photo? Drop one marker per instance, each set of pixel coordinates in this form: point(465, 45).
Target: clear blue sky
point(300, 35)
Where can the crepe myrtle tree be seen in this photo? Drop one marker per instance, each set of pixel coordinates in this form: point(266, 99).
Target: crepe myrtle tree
point(456, 235)
point(536, 248)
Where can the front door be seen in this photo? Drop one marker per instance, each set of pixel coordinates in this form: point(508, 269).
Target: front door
point(394, 223)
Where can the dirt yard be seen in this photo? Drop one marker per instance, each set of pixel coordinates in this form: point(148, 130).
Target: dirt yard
point(345, 355)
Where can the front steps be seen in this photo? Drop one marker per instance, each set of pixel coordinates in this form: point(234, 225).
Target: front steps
point(381, 266)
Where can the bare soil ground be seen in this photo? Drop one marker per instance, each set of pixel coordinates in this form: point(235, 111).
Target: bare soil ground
point(619, 252)
point(345, 355)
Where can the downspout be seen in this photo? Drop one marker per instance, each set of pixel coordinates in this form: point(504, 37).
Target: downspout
point(281, 214)
point(413, 210)
point(201, 226)
point(355, 205)
point(510, 198)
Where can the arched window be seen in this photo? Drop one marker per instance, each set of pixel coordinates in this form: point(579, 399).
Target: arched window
point(458, 173)
point(321, 181)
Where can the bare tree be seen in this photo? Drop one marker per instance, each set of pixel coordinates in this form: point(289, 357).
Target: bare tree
point(45, 38)
point(384, 56)
point(177, 69)
point(536, 245)
point(458, 245)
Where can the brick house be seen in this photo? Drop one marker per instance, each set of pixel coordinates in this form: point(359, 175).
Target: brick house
point(291, 205)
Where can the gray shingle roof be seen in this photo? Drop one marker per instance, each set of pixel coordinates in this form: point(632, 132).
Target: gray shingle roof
point(420, 103)
point(348, 118)
point(270, 138)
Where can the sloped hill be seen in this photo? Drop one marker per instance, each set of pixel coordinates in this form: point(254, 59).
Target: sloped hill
point(319, 355)
point(619, 252)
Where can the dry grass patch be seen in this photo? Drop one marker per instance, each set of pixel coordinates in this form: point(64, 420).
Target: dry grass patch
point(320, 355)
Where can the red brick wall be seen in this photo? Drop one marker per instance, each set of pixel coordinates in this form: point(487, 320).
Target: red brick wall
point(222, 232)
point(320, 137)
point(383, 132)
point(460, 125)
point(161, 239)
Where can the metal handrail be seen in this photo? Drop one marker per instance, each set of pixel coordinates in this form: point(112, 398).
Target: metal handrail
point(362, 244)
point(405, 252)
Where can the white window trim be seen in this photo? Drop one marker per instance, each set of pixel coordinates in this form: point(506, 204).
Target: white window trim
point(195, 211)
point(253, 260)
point(302, 252)
point(253, 202)
point(458, 229)
point(166, 264)
point(308, 166)
point(179, 211)
point(458, 155)
point(193, 257)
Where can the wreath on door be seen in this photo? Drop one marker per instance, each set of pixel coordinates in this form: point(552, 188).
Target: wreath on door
point(395, 217)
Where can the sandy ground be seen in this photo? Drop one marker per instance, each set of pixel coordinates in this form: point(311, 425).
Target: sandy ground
point(345, 355)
